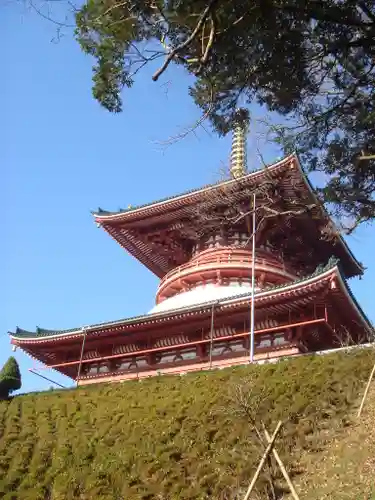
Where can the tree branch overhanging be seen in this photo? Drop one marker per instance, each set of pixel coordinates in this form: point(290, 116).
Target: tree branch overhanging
point(298, 60)
point(187, 42)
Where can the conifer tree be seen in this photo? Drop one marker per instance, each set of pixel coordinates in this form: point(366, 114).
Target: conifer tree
point(312, 63)
point(10, 378)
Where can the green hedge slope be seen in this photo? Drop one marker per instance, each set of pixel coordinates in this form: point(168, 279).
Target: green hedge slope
point(170, 437)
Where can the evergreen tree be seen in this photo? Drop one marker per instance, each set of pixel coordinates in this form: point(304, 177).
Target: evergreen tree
point(311, 62)
point(10, 378)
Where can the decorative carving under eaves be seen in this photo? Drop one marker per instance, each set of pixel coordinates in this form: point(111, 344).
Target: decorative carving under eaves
point(190, 231)
point(169, 243)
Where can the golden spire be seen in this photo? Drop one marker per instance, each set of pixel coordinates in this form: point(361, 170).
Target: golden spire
point(238, 163)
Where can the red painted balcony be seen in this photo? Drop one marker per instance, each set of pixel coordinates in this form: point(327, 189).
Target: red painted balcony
point(223, 266)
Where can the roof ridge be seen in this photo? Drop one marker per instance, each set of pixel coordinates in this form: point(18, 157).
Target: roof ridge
point(131, 208)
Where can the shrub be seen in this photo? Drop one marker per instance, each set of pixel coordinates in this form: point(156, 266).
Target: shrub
point(10, 378)
point(170, 437)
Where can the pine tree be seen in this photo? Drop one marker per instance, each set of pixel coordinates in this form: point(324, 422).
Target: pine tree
point(10, 378)
point(312, 64)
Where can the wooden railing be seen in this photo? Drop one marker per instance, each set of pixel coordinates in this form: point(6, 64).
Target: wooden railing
point(196, 263)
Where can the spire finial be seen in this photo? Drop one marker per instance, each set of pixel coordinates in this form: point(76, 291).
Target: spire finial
point(238, 164)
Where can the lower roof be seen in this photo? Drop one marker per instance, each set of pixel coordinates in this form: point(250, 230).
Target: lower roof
point(21, 336)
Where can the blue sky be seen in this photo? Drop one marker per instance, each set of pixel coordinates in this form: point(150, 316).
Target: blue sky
point(63, 155)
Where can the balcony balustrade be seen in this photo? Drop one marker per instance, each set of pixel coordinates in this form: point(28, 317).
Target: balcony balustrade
point(223, 263)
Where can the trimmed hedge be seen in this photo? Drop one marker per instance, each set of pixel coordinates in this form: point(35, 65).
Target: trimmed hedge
point(170, 437)
point(10, 378)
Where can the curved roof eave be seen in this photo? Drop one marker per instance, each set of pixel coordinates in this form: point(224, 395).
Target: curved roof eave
point(340, 238)
point(105, 215)
point(345, 287)
point(61, 334)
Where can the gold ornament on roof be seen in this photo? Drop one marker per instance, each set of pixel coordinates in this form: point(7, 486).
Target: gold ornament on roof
point(238, 157)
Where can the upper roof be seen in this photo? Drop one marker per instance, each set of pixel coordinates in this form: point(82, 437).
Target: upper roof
point(320, 276)
point(134, 228)
point(130, 213)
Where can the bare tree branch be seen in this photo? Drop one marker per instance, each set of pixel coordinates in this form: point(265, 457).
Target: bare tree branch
point(191, 128)
point(209, 44)
point(366, 157)
point(47, 17)
point(187, 42)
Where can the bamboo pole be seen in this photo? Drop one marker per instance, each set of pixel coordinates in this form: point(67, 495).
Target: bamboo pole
point(282, 468)
point(252, 309)
point(263, 460)
point(212, 333)
point(46, 378)
point(81, 356)
point(366, 391)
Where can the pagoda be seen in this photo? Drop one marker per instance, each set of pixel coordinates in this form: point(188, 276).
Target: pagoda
point(251, 269)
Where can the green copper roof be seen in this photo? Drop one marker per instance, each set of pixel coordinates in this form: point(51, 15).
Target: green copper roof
point(42, 333)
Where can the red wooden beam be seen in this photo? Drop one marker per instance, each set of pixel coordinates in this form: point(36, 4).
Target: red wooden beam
point(194, 328)
point(96, 337)
point(189, 344)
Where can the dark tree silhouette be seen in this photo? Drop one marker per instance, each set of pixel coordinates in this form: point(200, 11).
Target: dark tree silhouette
point(312, 62)
point(10, 378)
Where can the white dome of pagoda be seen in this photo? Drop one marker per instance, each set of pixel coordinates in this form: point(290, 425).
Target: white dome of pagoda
point(200, 294)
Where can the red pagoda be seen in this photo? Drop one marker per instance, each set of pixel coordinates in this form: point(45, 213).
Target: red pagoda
point(256, 253)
